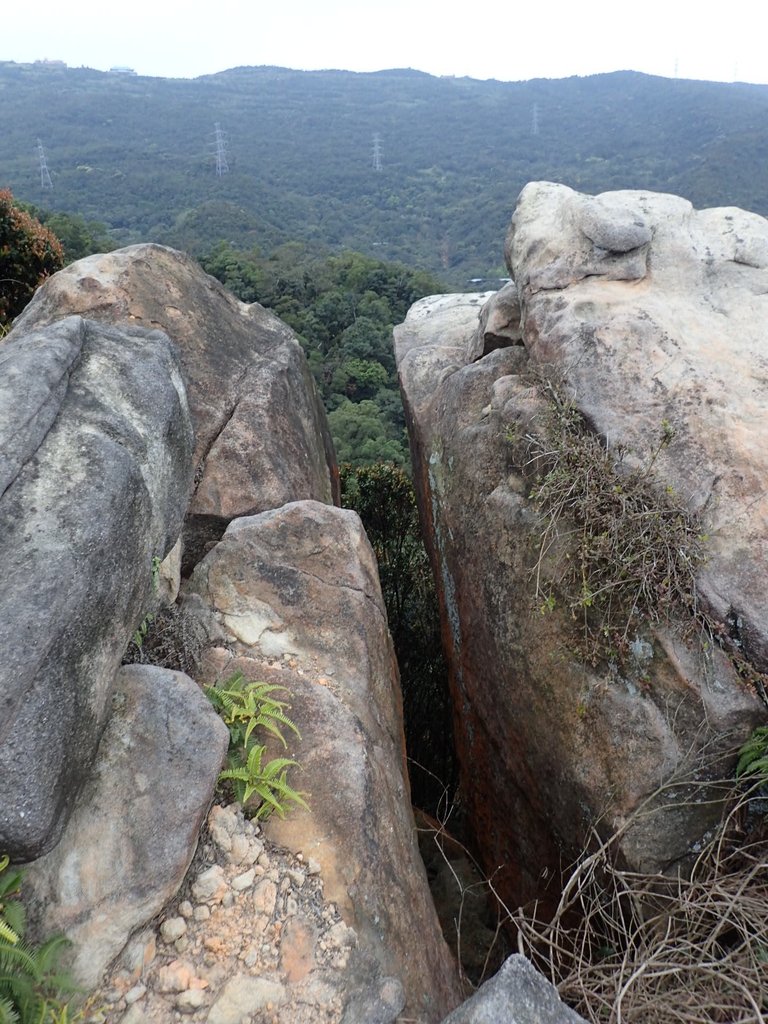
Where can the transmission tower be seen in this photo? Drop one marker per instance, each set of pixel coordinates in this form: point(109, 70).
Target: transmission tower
point(222, 167)
point(45, 178)
point(377, 152)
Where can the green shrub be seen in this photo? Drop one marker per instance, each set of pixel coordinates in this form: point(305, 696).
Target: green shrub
point(29, 253)
point(245, 706)
point(31, 983)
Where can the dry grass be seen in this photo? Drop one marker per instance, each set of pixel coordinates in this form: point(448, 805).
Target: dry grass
point(616, 549)
point(626, 948)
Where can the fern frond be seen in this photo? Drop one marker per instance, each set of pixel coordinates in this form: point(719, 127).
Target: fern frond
point(10, 883)
point(753, 756)
point(8, 1012)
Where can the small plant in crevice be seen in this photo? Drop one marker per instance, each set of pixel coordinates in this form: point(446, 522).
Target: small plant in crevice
point(244, 706)
point(31, 981)
point(140, 633)
point(753, 757)
point(615, 550)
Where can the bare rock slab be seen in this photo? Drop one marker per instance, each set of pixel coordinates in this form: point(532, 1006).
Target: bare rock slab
point(134, 831)
point(94, 480)
point(296, 597)
point(261, 435)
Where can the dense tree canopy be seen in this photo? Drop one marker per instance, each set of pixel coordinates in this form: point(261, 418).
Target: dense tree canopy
point(343, 308)
point(138, 154)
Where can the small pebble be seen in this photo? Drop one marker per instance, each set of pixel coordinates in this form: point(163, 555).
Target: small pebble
point(202, 913)
point(210, 884)
point(135, 993)
point(185, 909)
point(173, 929)
point(244, 881)
point(191, 1000)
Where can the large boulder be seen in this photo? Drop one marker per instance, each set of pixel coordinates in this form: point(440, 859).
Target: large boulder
point(132, 835)
point(650, 317)
point(261, 436)
point(656, 314)
point(94, 479)
point(296, 600)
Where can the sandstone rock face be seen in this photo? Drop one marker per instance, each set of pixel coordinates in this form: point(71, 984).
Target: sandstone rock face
point(261, 437)
point(657, 313)
point(295, 595)
point(499, 324)
point(94, 478)
point(518, 994)
point(636, 302)
point(134, 830)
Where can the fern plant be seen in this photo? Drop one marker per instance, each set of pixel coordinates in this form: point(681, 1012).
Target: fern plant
point(753, 756)
point(31, 983)
point(245, 705)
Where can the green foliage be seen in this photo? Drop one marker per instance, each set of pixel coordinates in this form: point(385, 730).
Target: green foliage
point(615, 550)
point(31, 983)
point(343, 308)
point(141, 631)
point(361, 436)
point(245, 706)
point(77, 236)
point(136, 153)
point(29, 253)
point(753, 756)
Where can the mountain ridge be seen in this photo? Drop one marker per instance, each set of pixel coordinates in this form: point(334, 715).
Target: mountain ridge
point(138, 153)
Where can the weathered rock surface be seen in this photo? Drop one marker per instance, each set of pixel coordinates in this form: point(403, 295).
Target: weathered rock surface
point(499, 324)
point(648, 312)
point(134, 830)
point(94, 478)
point(657, 313)
point(261, 437)
point(518, 994)
point(296, 597)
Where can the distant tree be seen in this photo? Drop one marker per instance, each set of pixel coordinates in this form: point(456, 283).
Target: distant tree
point(359, 378)
point(29, 253)
point(361, 434)
point(78, 236)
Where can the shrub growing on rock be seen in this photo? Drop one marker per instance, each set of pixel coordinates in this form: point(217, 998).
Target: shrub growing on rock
point(29, 253)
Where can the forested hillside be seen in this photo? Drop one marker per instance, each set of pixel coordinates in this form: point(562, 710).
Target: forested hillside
point(139, 154)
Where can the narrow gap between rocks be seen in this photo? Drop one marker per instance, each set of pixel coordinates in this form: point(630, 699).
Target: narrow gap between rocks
point(383, 496)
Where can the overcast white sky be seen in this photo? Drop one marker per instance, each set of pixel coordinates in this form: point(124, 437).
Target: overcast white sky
point(505, 40)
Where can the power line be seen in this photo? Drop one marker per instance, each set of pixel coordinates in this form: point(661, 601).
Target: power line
point(377, 152)
point(45, 178)
point(222, 167)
